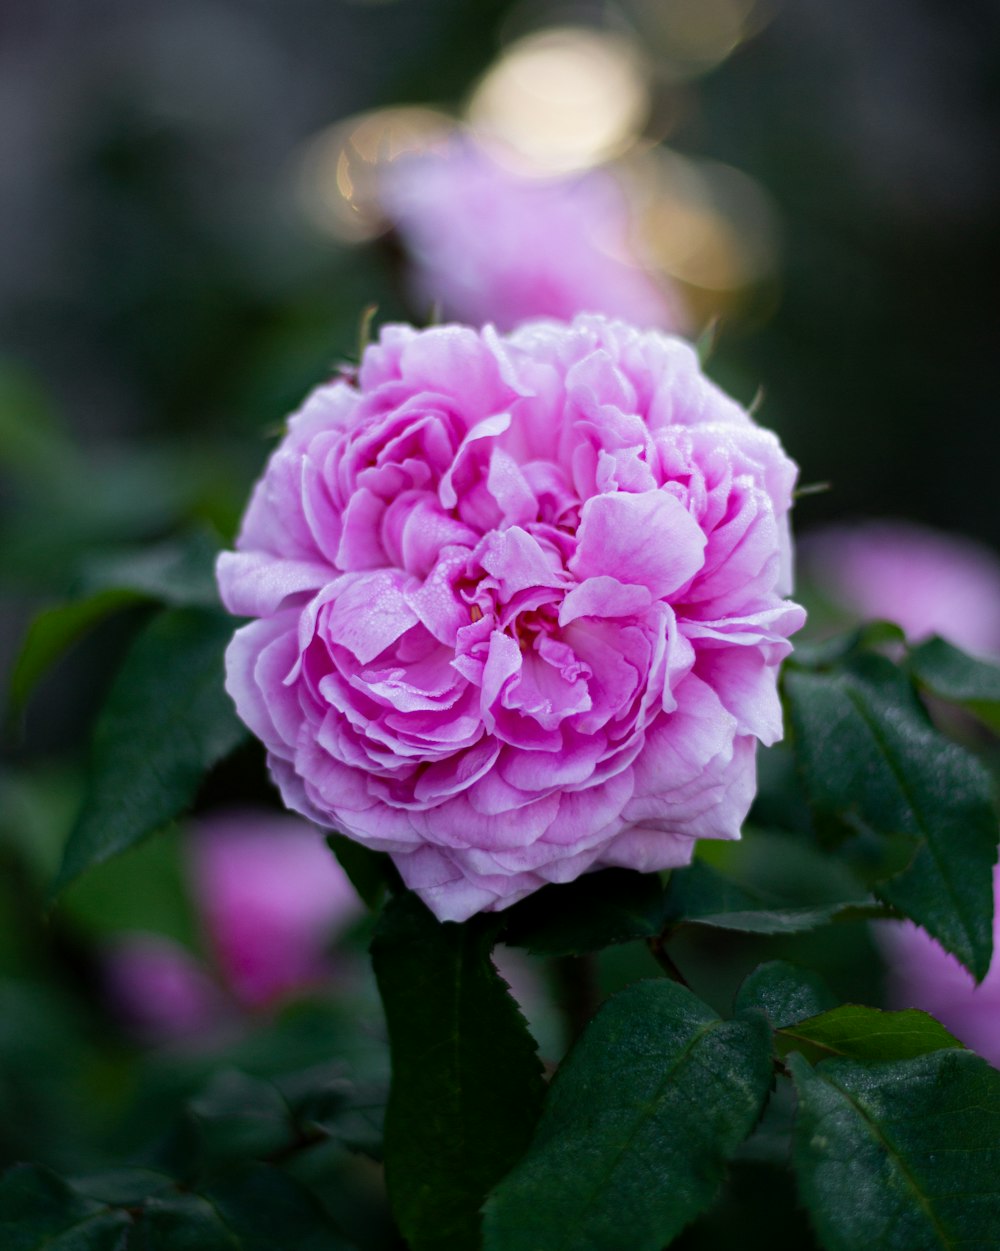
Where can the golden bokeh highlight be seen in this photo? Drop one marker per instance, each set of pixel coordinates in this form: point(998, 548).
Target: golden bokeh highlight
point(562, 99)
point(690, 37)
point(339, 169)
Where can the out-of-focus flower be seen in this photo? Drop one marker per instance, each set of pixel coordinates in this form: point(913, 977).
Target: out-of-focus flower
point(270, 897)
point(930, 583)
point(489, 244)
point(927, 581)
point(519, 606)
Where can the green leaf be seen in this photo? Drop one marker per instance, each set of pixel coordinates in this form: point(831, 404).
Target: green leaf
point(952, 675)
point(870, 760)
point(467, 1082)
point(655, 1096)
point(593, 912)
point(178, 573)
point(184, 1222)
point(862, 1033)
point(167, 719)
point(900, 1156)
point(266, 1209)
point(39, 1212)
point(370, 872)
point(784, 993)
point(238, 1117)
point(700, 895)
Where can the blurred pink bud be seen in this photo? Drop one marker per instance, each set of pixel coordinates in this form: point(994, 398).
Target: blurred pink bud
point(927, 581)
point(490, 245)
point(271, 896)
point(160, 990)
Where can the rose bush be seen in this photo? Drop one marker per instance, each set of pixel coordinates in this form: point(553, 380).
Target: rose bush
point(518, 606)
point(488, 244)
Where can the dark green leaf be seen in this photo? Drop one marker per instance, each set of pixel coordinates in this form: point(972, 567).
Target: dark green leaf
point(238, 1117)
point(371, 872)
point(862, 1033)
point(784, 993)
point(900, 1156)
point(39, 1211)
point(952, 675)
point(655, 1096)
point(265, 1210)
point(184, 1222)
point(700, 895)
point(596, 911)
point(178, 573)
point(871, 760)
point(467, 1082)
point(167, 719)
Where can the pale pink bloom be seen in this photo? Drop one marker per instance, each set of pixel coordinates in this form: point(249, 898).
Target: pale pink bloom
point(489, 245)
point(927, 581)
point(271, 897)
point(518, 606)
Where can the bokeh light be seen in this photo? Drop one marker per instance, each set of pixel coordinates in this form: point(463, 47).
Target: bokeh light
point(563, 99)
point(691, 37)
point(338, 169)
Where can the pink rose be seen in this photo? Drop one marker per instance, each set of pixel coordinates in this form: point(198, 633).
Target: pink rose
point(492, 245)
point(518, 606)
point(927, 581)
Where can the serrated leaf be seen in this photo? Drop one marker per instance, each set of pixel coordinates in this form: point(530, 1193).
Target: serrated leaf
point(784, 993)
point(900, 1156)
point(700, 895)
point(178, 573)
point(467, 1084)
point(184, 1222)
point(871, 760)
point(597, 910)
point(955, 676)
point(166, 720)
point(655, 1096)
point(40, 1212)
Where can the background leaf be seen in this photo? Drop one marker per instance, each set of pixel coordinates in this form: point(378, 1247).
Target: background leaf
point(784, 993)
point(870, 759)
point(39, 1211)
point(959, 678)
point(900, 1156)
point(167, 719)
point(467, 1084)
point(654, 1097)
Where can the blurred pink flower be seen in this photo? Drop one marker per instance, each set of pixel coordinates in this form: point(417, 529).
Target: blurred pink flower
point(518, 606)
point(490, 245)
point(270, 897)
point(922, 975)
point(927, 581)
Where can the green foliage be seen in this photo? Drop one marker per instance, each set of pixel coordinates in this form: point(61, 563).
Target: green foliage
point(861, 1033)
point(466, 1080)
point(783, 993)
point(166, 721)
point(901, 1155)
point(177, 573)
point(654, 1098)
point(596, 911)
point(39, 1211)
point(872, 762)
point(371, 872)
point(952, 675)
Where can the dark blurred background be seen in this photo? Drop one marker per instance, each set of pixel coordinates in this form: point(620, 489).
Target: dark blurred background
point(168, 294)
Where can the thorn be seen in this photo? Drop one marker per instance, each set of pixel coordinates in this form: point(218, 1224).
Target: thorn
point(755, 405)
point(436, 314)
point(708, 340)
point(812, 488)
point(365, 328)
